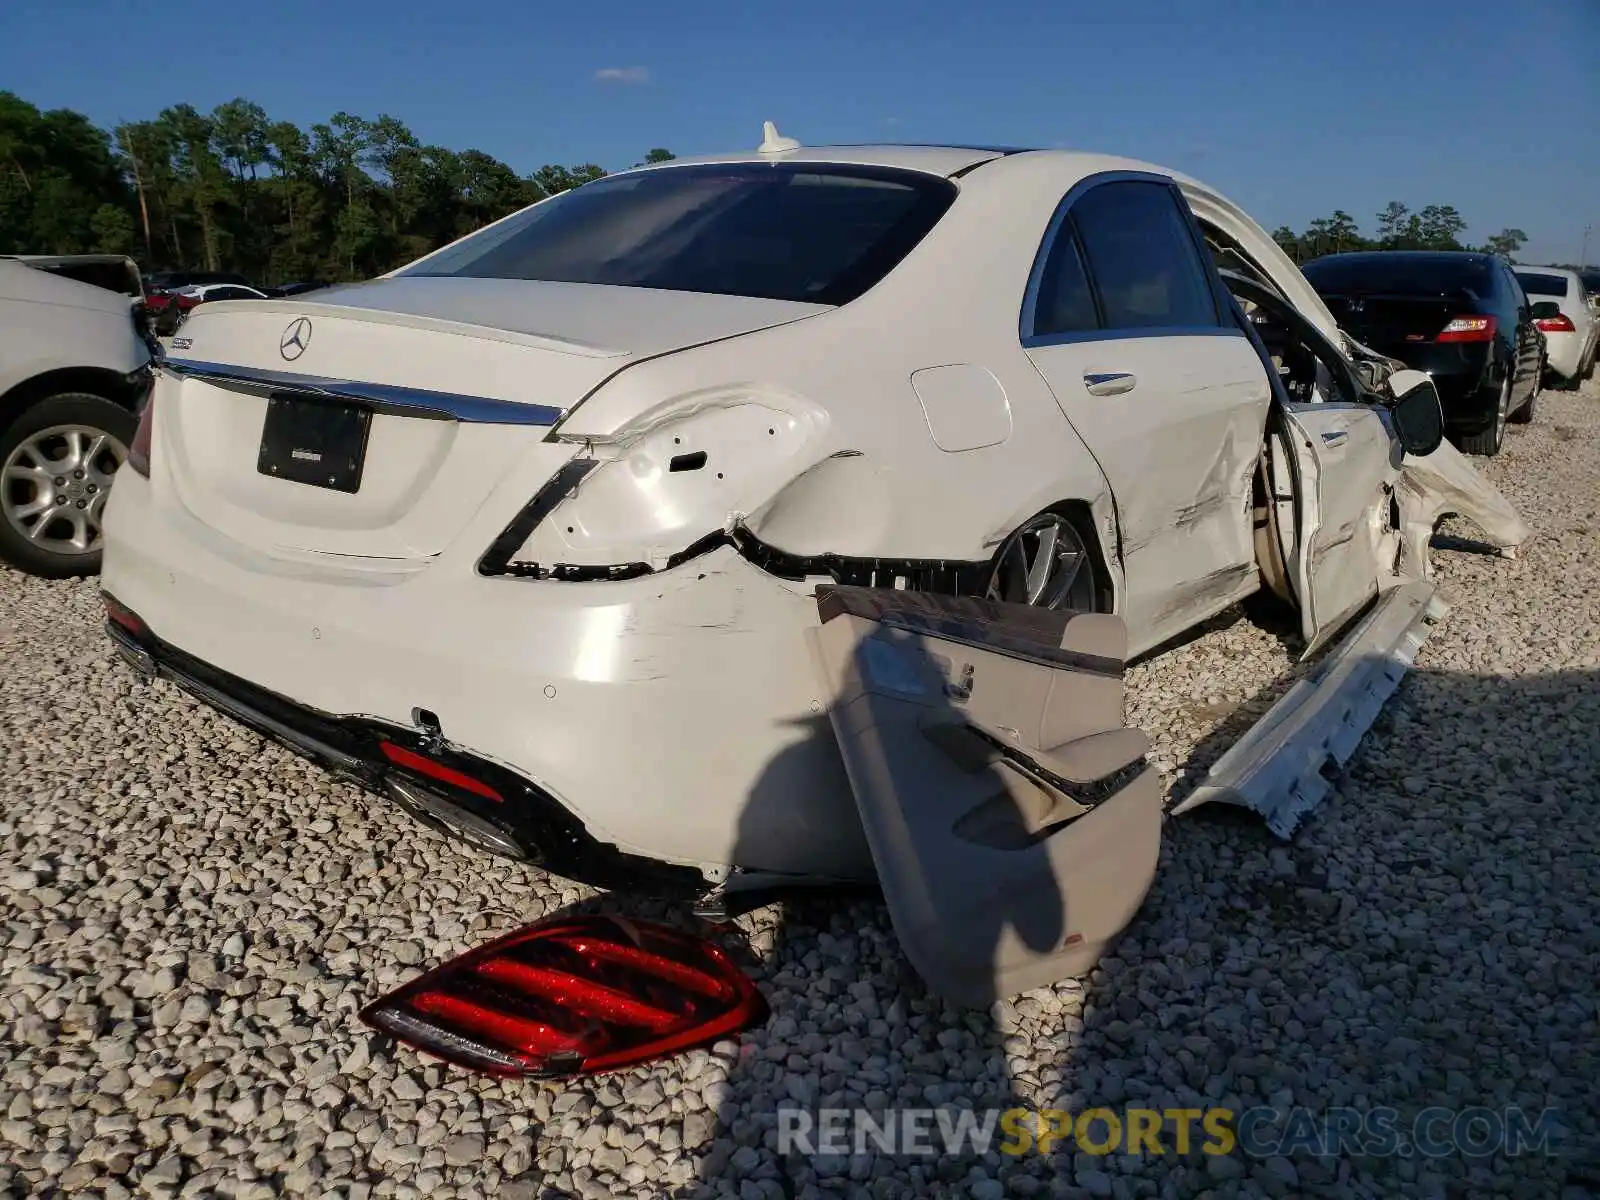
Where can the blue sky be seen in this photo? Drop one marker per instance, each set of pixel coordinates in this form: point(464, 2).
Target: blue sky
point(1292, 107)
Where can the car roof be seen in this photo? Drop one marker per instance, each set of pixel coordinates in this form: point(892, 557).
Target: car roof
point(1441, 255)
point(1565, 272)
point(943, 160)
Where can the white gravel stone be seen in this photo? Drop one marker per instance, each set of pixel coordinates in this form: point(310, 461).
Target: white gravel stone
point(194, 916)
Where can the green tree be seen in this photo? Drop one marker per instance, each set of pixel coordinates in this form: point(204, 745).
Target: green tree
point(1392, 224)
point(1344, 231)
point(56, 170)
point(1439, 227)
point(1506, 243)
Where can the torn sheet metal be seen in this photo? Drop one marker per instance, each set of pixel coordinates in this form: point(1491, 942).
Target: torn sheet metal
point(1013, 820)
point(1279, 768)
point(1446, 483)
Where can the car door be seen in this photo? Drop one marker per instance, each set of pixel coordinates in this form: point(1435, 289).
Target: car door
point(1332, 463)
point(1126, 320)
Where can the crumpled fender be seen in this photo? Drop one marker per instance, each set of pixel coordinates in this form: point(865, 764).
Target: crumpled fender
point(1442, 484)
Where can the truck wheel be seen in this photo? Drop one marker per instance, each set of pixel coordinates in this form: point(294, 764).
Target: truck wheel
point(57, 458)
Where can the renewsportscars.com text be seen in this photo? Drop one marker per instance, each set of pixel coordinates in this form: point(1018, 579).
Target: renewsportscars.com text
point(1259, 1132)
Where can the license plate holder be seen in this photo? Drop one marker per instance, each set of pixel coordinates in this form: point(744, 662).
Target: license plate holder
point(315, 442)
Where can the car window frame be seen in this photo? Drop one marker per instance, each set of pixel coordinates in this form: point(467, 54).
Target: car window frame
point(1061, 221)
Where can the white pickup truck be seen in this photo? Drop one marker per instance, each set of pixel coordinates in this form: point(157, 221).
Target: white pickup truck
point(74, 369)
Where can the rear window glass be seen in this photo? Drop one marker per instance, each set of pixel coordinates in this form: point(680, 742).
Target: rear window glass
point(1400, 274)
point(781, 231)
point(1536, 284)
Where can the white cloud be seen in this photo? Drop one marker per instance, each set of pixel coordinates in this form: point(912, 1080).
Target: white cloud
point(623, 75)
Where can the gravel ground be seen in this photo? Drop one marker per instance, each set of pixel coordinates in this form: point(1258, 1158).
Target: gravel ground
point(193, 917)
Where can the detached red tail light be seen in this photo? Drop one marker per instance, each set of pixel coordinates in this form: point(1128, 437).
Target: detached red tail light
point(572, 996)
point(1561, 324)
point(1468, 329)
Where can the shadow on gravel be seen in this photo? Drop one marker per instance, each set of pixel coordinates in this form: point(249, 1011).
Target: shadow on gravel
point(1428, 942)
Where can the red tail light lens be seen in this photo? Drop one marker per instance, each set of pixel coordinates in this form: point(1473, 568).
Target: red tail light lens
point(1468, 329)
point(122, 616)
point(572, 996)
point(423, 765)
point(1561, 324)
point(139, 452)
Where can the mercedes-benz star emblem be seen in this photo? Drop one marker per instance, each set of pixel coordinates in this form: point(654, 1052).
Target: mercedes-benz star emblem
point(295, 339)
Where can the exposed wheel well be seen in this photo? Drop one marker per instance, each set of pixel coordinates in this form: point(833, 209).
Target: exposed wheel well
point(97, 381)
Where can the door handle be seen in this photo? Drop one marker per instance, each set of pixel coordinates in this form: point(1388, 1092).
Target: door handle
point(1108, 383)
point(1335, 437)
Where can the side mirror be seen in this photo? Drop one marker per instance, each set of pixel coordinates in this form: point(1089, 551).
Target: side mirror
point(1419, 419)
point(1546, 309)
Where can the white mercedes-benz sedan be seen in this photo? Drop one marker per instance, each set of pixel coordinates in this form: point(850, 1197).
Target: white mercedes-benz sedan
point(530, 533)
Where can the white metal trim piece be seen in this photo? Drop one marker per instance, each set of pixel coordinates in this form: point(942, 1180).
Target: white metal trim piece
point(1277, 768)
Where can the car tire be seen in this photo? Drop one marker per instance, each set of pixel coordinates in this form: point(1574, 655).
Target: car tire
point(88, 437)
point(1525, 414)
point(1487, 442)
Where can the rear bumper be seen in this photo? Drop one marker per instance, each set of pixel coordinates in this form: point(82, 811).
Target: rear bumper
point(1563, 353)
point(674, 717)
point(525, 818)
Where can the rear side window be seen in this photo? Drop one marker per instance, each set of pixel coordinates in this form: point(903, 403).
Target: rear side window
point(1537, 284)
point(822, 234)
point(1142, 257)
point(1065, 303)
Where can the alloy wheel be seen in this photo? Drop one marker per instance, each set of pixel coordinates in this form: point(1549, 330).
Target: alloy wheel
point(53, 486)
point(1045, 564)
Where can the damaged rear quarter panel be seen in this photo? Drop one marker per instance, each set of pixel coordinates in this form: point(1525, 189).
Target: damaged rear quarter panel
point(911, 499)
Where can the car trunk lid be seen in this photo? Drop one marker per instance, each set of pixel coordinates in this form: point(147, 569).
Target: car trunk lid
point(1389, 323)
point(417, 395)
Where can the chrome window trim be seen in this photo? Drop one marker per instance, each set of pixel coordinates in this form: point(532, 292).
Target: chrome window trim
point(386, 398)
point(1030, 295)
point(1117, 335)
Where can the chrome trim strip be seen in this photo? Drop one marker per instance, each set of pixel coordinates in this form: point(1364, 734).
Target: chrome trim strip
point(1118, 335)
point(391, 399)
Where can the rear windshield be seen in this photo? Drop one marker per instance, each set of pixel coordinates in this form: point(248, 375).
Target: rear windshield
point(1397, 275)
point(1542, 285)
point(781, 231)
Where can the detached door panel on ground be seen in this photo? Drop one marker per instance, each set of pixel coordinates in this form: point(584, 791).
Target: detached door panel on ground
point(1013, 821)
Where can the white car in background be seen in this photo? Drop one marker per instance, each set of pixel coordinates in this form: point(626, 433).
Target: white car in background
point(74, 367)
point(530, 533)
point(1572, 332)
